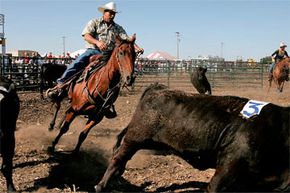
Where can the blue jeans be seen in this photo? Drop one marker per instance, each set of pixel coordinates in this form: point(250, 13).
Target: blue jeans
point(79, 64)
point(271, 67)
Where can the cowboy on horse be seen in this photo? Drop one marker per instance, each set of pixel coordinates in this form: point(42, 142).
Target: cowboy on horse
point(277, 56)
point(100, 36)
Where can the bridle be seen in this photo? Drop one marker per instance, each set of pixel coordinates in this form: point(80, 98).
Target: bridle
point(110, 92)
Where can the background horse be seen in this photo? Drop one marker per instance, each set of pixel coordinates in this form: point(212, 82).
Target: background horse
point(95, 94)
point(49, 73)
point(280, 74)
point(9, 110)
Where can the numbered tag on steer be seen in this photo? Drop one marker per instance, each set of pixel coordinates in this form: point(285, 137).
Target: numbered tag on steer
point(252, 108)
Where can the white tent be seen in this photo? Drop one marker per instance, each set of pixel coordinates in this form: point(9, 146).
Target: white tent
point(160, 56)
point(77, 52)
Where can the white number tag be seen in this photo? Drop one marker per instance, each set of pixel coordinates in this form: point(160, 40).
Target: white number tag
point(1, 96)
point(2, 89)
point(253, 108)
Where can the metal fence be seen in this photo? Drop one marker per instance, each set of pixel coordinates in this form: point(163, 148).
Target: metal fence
point(25, 71)
point(175, 74)
point(219, 73)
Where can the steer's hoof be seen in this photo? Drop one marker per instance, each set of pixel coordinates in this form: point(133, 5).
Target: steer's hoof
point(50, 149)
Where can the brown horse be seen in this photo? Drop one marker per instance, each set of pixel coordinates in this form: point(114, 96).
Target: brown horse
point(280, 74)
point(95, 95)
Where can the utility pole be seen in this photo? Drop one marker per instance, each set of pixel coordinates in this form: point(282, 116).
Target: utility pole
point(177, 44)
point(222, 47)
point(63, 44)
point(2, 40)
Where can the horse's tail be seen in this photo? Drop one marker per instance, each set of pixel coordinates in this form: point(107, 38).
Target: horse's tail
point(119, 137)
point(41, 76)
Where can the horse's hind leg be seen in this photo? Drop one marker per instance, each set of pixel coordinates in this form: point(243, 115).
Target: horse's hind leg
point(52, 123)
point(69, 117)
point(83, 135)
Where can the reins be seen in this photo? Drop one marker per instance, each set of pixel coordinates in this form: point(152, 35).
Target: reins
point(110, 91)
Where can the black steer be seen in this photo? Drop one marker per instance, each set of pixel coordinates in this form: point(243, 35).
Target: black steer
point(49, 73)
point(199, 80)
point(9, 110)
point(249, 154)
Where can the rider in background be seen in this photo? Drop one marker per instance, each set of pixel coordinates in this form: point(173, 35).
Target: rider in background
point(99, 35)
point(278, 55)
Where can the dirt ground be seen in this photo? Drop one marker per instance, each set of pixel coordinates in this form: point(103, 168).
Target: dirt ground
point(36, 170)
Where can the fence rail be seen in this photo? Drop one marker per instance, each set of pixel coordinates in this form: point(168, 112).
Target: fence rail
point(175, 74)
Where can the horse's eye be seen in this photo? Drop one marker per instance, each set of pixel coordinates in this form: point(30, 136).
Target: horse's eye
point(121, 53)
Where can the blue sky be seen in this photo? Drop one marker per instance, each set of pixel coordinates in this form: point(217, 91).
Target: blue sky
point(248, 29)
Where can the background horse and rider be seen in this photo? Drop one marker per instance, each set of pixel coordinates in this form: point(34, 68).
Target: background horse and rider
point(280, 74)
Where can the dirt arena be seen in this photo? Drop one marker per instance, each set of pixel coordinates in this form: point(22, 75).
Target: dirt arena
point(36, 170)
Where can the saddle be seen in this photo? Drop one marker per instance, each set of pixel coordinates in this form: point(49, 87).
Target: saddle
point(96, 63)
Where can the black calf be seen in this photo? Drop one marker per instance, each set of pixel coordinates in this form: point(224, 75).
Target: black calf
point(9, 110)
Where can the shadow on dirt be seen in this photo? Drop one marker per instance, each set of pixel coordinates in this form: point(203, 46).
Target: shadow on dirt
point(194, 184)
point(81, 172)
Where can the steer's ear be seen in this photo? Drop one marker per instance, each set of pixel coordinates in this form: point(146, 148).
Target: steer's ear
point(204, 69)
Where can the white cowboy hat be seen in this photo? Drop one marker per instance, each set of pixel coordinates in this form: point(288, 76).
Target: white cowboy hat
point(109, 6)
point(283, 45)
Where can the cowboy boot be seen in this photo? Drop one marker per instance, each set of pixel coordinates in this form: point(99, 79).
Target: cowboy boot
point(56, 93)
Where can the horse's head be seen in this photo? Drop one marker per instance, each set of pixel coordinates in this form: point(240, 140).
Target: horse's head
point(287, 60)
point(126, 55)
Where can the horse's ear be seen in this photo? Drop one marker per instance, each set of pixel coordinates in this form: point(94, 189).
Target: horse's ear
point(133, 38)
point(118, 40)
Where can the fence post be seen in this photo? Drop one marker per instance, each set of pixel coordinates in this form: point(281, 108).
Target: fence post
point(262, 74)
point(168, 74)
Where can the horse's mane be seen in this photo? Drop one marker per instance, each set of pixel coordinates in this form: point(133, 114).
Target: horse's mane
point(284, 61)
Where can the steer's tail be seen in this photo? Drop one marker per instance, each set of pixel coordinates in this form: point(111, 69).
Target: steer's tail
point(119, 137)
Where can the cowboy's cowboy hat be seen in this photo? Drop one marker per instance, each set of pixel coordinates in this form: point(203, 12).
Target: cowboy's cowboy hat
point(109, 6)
point(282, 45)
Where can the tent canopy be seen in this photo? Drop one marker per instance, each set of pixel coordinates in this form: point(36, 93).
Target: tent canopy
point(160, 56)
point(77, 52)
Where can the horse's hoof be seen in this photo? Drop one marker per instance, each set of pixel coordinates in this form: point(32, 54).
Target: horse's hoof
point(11, 188)
point(51, 127)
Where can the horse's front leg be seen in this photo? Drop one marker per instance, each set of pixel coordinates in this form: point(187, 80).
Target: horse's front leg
point(270, 84)
point(52, 123)
point(281, 86)
point(83, 135)
point(69, 117)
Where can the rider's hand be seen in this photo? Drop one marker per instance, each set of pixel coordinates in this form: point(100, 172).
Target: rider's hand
point(139, 50)
point(101, 45)
point(273, 59)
